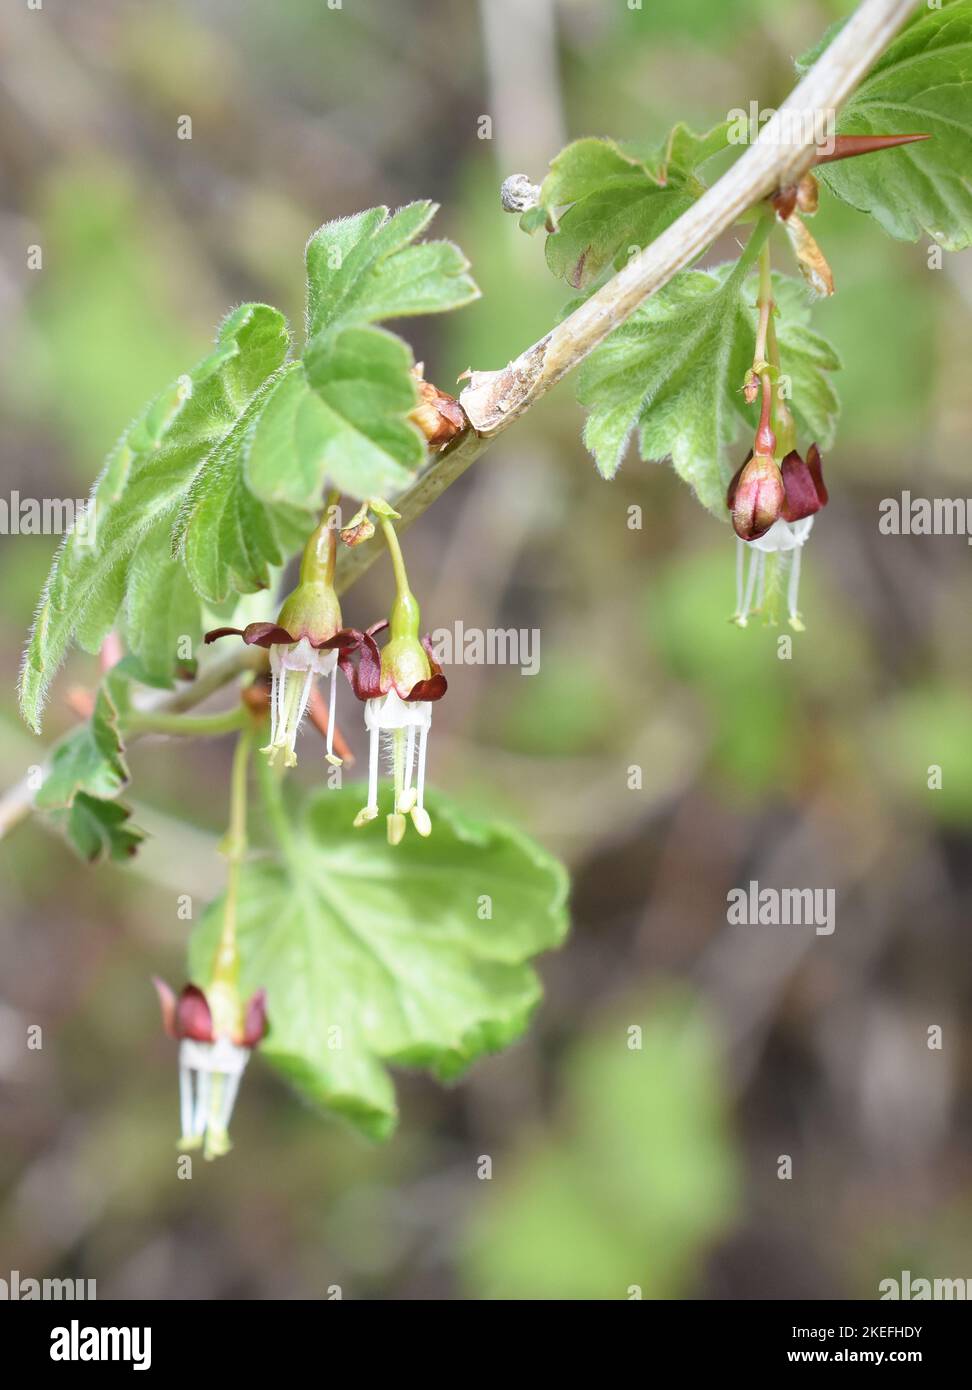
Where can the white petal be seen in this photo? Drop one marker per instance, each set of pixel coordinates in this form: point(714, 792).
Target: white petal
point(392, 712)
point(784, 535)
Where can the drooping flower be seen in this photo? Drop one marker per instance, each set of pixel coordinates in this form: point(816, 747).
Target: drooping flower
point(216, 1035)
point(303, 643)
point(398, 685)
point(802, 493)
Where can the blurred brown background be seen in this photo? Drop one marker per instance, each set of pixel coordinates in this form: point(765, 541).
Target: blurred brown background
point(811, 772)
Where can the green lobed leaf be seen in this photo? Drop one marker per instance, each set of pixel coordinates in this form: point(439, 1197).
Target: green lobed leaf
point(341, 415)
point(388, 945)
point(673, 372)
point(219, 479)
point(99, 830)
point(352, 430)
point(162, 613)
point(87, 771)
point(137, 496)
point(620, 197)
point(922, 82)
point(91, 758)
point(227, 538)
point(363, 269)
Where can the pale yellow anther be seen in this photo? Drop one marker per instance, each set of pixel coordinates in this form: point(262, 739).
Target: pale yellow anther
point(422, 820)
point(217, 1143)
point(406, 800)
point(397, 825)
point(366, 814)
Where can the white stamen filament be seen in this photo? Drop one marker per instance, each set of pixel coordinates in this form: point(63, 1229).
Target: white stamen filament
point(294, 670)
point(398, 764)
point(217, 1092)
point(373, 754)
point(202, 1104)
point(231, 1086)
point(794, 585)
point(276, 696)
point(743, 614)
point(782, 539)
point(409, 757)
point(761, 579)
point(420, 788)
point(209, 1080)
point(294, 724)
point(392, 723)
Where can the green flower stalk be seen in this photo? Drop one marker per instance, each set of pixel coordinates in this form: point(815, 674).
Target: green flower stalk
point(216, 1030)
point(303, 643)
point(772, 505)
point(398, 686)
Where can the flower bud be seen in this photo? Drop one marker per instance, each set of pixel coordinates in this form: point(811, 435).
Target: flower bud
point(756, 497)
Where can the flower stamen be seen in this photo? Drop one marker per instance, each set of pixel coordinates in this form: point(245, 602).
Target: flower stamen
point(792, 591)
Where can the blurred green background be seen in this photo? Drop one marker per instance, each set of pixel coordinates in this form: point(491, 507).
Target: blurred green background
point(614, 1168)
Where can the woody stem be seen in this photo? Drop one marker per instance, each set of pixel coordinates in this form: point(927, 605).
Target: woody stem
point(495, 400)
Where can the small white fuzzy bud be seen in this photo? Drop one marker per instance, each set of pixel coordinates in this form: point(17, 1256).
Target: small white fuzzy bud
point(518, 193)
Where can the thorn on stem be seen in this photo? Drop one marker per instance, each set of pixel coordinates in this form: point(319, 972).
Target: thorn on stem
point(850, 146)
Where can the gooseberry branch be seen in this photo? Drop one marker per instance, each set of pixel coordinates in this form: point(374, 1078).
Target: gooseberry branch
point(493, 400)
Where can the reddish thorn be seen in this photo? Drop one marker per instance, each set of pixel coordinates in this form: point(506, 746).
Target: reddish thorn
point(848, 146)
